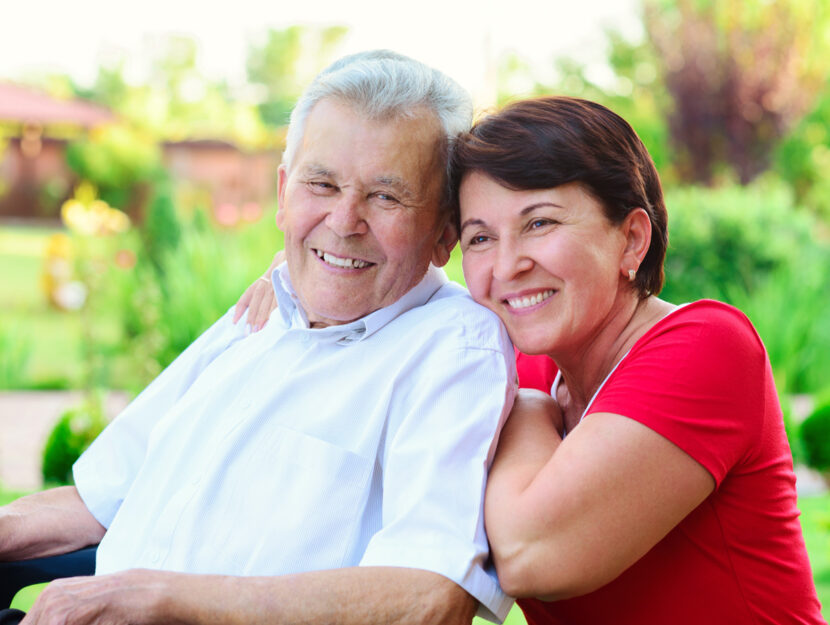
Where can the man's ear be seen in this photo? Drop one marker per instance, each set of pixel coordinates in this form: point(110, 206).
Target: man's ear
point(444, 245)
point(637, 230)
point(282, 182)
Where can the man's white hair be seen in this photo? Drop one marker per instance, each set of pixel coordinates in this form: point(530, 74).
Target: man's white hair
point(384, 85)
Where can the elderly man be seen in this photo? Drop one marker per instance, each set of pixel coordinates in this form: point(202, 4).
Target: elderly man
point(330, 468)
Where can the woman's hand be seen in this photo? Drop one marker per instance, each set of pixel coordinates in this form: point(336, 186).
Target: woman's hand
point(258, 299)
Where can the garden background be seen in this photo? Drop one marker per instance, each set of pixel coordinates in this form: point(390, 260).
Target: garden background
point(114, 264)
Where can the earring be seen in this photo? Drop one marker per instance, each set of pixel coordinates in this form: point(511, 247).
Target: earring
point(632, 273)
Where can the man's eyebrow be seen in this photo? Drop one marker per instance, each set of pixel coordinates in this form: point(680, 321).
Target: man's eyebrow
point(398, 185)
point(315, 169)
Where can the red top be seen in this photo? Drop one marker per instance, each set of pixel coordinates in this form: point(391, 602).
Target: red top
point(701, 378)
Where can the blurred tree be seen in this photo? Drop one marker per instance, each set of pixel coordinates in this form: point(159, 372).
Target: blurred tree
point(286, 62)
point(740, 74)
point(177, 101)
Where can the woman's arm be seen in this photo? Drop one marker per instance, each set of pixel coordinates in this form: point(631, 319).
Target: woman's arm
point(258, 299)
point(566, 517)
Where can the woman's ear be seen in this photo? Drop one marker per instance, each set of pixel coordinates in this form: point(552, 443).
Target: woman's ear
point(444, 245)
point(637, 230)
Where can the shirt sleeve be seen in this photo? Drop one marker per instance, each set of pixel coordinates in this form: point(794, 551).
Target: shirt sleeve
point(106, 470)
point(698, 380)
point(435, 462)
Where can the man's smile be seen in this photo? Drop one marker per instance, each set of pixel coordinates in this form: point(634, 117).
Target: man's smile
point(341, 262)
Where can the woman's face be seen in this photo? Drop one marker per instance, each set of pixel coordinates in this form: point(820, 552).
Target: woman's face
point(547, 262)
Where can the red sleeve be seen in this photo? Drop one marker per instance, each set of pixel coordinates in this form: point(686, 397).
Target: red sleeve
point(535, 371)
point(698, 378)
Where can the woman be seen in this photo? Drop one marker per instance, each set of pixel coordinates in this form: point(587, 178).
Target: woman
point(651, 481)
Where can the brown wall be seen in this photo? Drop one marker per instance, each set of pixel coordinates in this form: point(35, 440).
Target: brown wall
point(35, 186)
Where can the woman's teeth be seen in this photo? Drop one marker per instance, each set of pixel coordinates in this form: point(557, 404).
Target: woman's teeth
point(524, 302)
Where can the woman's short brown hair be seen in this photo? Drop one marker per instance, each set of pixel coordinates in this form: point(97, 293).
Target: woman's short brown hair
point(547, 142)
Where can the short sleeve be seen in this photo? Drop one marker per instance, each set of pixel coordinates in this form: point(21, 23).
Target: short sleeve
point(435, 462)
point(538, 371)
point(698, 379)
point(105, 472)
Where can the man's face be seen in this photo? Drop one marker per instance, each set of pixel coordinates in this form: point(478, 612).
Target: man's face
point(360, 211)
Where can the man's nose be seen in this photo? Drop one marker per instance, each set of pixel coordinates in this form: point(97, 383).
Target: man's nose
point(346, 216)
point(510, 262)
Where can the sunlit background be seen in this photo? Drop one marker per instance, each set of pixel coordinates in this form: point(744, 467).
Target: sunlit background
point(139, 144)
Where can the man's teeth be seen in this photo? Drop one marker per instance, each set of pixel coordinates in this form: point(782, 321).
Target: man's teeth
point(524, 302)
point(349, 263)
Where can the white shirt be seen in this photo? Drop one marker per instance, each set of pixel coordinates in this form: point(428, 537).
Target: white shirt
point(297, 449)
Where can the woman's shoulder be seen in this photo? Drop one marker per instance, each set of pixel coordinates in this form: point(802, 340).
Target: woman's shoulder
point(709, 320)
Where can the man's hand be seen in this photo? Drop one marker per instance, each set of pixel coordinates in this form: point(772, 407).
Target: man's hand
point(127, 597)
point(258, 299)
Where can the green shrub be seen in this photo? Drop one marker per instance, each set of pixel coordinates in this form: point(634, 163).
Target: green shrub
point(752, 248)
point(73, 433)
point(791, 312)
point(729, 240)
point(815, 437)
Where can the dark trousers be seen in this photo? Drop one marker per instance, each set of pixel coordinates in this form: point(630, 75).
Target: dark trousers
point(11, 617)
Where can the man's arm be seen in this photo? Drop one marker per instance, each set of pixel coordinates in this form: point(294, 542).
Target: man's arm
point(353, 596)
point(45, 524)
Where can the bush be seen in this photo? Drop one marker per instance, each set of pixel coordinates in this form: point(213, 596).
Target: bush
point(730, 240)
point(73, 433)
point(752, 248)
point(815, 437)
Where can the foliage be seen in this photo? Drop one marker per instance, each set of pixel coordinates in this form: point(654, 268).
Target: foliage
point(815, 438)
point(740, 74)
point(164, 307)
point(803, 157)
point(791, 313)
point(177, 102)
point(286, 62)
point(751, 248)
point(117, 159)
point(73, 433)
point(729, 240)
point(160, 230)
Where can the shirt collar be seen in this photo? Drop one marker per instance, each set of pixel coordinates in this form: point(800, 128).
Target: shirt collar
point(293, 315)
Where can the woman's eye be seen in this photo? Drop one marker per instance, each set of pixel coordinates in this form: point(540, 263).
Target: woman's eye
point(539, 223)
point(479, 238)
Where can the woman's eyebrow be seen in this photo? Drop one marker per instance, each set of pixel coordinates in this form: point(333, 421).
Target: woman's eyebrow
point(472, 222)
point(533, 207)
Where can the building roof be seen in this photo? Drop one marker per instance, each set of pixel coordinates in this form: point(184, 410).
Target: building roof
point(28, 105)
